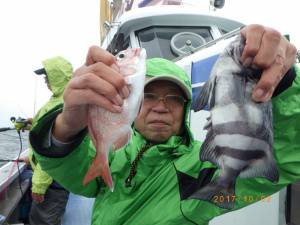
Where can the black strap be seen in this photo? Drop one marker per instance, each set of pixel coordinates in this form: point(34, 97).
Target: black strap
point(285, 82)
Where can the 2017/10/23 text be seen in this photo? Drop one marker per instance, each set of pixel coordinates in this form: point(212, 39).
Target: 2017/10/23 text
point(245, 198)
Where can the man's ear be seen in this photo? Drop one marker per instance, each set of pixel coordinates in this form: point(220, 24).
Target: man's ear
point(182, 128)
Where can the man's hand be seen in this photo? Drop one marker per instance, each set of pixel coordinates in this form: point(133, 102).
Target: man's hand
point(38, 198)
point(29, 121)
point(267, 49)
point(25, 159)
point(97, 82)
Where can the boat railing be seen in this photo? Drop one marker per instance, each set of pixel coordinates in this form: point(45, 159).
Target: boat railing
point(12, 187)
point(213, 42)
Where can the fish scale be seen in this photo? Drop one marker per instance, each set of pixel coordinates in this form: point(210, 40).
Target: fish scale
point(107, 128)
point(239, 138)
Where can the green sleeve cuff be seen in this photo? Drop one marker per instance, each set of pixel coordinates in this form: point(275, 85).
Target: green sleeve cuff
point(41, 137)
point(40, 180)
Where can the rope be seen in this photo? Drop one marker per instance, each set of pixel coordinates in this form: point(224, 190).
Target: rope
point(134, 164)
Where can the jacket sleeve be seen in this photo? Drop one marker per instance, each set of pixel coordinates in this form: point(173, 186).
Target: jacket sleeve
point(40, 180)
point(66, 166)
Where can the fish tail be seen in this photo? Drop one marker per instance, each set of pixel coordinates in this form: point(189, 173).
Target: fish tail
point(90, 175)
point(99, 168)
point(218, 192)
point(106, 176)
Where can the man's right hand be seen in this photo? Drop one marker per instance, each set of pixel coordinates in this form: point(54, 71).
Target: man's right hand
point(97, 82)
point(38, 198)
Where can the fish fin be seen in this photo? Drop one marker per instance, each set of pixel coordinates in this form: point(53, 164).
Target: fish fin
point(207, 152)
point(99, 168)
point(122, 141)
point(188, 184)
point(202, 98)
point(206, 96)
point(211, 100)
point(92, 131)
point(208, 124)
point(218, 194)
point(106, 176)
point(265, 169)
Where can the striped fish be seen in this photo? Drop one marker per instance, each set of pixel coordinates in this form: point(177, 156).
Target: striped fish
point(239, 138)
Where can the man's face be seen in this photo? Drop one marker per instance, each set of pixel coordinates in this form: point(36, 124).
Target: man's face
point(47, 83)
point(158, 122)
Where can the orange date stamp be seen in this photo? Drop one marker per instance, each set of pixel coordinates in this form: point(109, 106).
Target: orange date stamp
point(244, 198)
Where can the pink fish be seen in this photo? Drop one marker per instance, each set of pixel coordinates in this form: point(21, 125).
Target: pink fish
point(107, 128)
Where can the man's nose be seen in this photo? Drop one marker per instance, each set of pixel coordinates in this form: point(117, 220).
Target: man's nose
point(160, 106)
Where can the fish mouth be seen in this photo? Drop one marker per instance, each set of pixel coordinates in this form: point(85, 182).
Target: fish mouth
point(141, 52)
point(137, 51)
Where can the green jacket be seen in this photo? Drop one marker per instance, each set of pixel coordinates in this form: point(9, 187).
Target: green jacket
point(59, 72)
point(155, 197)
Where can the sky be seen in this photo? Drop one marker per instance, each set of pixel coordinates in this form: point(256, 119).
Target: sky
point(34, 30)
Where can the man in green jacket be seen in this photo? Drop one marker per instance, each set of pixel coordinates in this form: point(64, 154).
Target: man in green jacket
point(149, 173)
point(49, 198)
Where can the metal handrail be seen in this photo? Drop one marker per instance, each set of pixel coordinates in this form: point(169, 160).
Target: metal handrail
point(213, 42)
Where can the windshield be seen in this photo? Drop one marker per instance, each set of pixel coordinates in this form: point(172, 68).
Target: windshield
point(157, 40)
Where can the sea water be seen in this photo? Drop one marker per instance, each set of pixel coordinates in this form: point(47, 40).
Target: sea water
point(10, 144)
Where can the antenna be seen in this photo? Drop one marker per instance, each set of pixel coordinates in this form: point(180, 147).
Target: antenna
point(35, 94)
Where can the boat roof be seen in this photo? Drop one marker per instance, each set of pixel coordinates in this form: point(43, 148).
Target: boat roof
point(167, 15)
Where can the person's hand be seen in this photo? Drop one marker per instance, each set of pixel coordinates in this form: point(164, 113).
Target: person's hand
point(25, 159)
point(267, 49)
point(29, 121)
point(97, 82)
point(38, 198)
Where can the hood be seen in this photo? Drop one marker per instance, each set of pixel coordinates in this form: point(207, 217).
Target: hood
point(59, 72)
point(162, 69)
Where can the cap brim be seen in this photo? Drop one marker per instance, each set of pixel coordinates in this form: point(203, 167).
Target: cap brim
point(172, 79)
point(41, 71)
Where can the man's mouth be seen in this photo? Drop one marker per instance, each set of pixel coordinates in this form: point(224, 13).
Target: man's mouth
point(158, 123)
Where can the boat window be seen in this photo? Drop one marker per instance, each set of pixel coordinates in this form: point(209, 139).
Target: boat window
point(223, 31)
point(118, 44)
point(157, 40)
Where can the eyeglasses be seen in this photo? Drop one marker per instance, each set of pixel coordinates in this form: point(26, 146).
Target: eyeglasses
point(170, 101)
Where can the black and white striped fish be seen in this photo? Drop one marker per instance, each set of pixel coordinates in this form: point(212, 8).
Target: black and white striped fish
point(239, 136)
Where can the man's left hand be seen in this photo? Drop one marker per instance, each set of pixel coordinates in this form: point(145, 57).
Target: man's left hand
point(38, 198)
point(267, 49)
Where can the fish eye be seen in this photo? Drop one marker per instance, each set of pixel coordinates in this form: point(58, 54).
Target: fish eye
point(121, 56)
